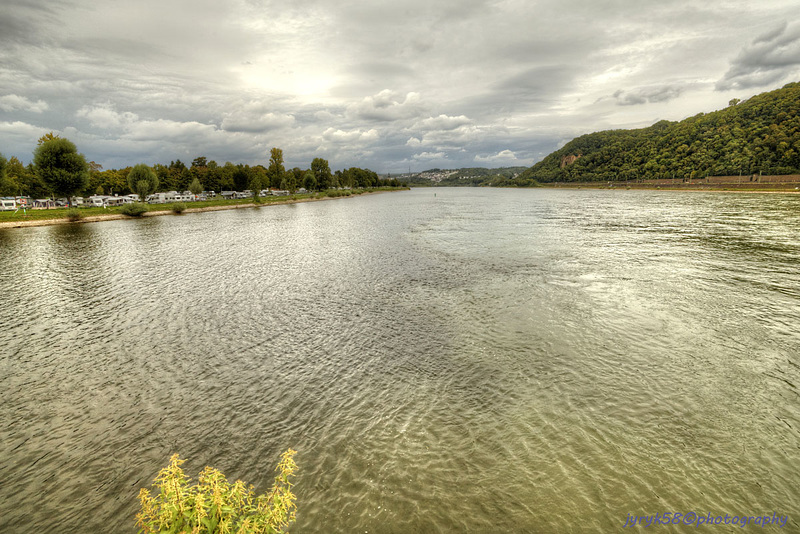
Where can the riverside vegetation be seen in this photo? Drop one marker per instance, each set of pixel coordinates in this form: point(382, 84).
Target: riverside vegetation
point(215, 506)
point(139, 209)
point(59, 170)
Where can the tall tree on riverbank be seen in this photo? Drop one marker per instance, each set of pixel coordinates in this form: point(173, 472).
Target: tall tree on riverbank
point(322, 173)
point(275, 171)
point(59, 165)
point(142, 181)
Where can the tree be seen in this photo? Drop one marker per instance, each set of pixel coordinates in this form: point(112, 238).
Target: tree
point(22, 180)
point(195, 187)
point(241, 177)
point(47, 137)
point(142, 181)
point(59, 165)
point(322, 173)
point(309, 182)
point(275, 170)
point(255, 186)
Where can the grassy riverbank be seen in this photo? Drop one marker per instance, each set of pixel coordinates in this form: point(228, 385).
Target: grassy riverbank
point(44, 217)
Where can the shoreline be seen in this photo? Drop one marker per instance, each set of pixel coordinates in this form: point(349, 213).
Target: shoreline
point(674, 188)
point(120, 216)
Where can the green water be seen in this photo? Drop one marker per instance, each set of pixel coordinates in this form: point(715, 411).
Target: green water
point(449, 360)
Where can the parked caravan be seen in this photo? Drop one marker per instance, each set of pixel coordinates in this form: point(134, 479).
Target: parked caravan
point(96, 201)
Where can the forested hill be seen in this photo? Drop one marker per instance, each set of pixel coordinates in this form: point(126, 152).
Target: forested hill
point(758, 136)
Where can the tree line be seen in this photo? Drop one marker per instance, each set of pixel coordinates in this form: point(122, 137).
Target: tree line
point(59, 170)
point(758, 136)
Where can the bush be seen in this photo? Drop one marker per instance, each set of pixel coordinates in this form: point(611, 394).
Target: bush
point(179, 207)
point(74, 215)
point(136, 209)
point(215, 506)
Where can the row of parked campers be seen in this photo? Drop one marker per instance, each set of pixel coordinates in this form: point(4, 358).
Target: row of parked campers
point(100, 201)
point(174, 196)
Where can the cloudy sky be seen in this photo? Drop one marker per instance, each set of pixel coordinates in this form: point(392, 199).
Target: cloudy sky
point(381, 84)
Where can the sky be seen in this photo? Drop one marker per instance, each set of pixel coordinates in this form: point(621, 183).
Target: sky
point(385, 85)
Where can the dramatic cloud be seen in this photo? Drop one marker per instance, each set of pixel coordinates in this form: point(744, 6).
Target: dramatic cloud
point(14, 102)
point(645, 95)
point(772, 57)
point(387, 106)
point(386, 84)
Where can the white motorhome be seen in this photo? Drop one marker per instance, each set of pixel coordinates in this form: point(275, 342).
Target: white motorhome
point(96, 201)
point(117, 201)
point(8, 204)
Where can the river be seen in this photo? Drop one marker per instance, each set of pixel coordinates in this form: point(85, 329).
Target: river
point(443, 360)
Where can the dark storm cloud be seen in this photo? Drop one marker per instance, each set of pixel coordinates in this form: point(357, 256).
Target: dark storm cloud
point(770, 58)
point(647, 95)
point(20, 20)
point(538, 83)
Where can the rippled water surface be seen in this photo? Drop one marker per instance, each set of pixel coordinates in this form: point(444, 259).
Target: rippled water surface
point(443, 360)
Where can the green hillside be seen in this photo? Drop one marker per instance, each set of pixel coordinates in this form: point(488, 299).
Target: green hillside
point(757, 136)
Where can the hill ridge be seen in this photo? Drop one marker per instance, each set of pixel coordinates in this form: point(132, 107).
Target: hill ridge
point(760, 135)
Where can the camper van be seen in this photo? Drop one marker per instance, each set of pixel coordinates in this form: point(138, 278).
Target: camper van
point(97, 201)
point(8, 204)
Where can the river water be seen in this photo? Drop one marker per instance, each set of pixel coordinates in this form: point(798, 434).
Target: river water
point(444, 360)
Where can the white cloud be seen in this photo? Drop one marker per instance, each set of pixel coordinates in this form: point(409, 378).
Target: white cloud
point(427, 156)
point(21, 129)
point(167, 130)
point(104, 116)
point(342, 137)
point(504, 156)
point(443, 122)
point(387, 106)
point(20, 103)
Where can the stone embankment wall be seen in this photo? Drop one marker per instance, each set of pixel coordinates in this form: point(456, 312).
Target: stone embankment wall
point(746, 179)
